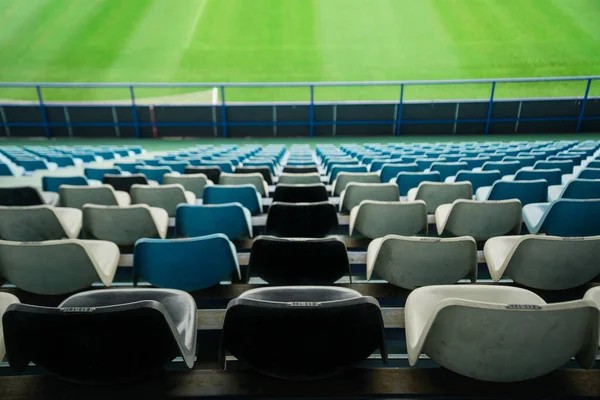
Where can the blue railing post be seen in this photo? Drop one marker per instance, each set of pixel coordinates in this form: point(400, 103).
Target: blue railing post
point(312, 111)
point(223, 112)
point(399, 111)
point(491, 105)
point(583, 104)
point(134, 113)
point(43, 111)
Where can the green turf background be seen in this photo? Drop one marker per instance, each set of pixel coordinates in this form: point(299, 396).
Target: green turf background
point(299, 40)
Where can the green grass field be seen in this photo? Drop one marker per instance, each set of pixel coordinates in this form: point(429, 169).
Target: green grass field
point(298, 40)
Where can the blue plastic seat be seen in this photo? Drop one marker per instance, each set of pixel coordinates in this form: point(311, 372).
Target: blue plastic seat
point(478, 179)
point(128, 166)
point(62, 161)
point(107, 155)
point(593, 164)
point(377, 165)
point(576, 189)
point(176, 166)
point(345, 168)
point(576, 158)
point(231, 219)
point(246, 195)
point(153, 163)
point(525, 161)
point(564, 217)
point(447, 169)
point(565, 166)
point(32, 164)
point(391, 171)
point(97, 174)
point(589, 173)
point(268, 164)
point(527, 192)
point(505, 167)
point(226, 166)
point(409, 180)
point(185, 264)
point(154, 173)
point(330, 165)
point(85, 157)
point(425, 163)
point(552, 176)
point(5, 170)
point(474, 162)
point(52, 183)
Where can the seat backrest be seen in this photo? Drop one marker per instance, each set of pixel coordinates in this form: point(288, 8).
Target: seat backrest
point(192, 183)
point(286, 261)
point(20, 196)
point(344, 178)
point(176, 166)
point(357, 192)
point(570, 217)
point(299, 179)
point(254, 179)
point(78, 196)
point(300, 193)
point(212, 173)
point(300, 170)
point(566, 166)
point(447, 169)
point(435, 194)
point(30, 224)
point(128, 166)
point(581, 189)
point(335, 171)
point(485, 219)
point(167, 197)
point(154, 173)
point(391, 171)
point(124, 183)
point(505, 167)
point(246, 195)
point(5, 170)
point(526, 192)
point(409, 180)
point(201, 220)
point(309, 220)
point(97, 174)
point(264, 171)
point(552, 176)
point(589, 173)
point(375, 219)
point(474, 162)
point(478, 179)
point(120, 225)
point(52, 183)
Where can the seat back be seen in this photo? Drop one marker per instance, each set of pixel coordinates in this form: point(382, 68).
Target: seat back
point(309, 220)
point(300, 170)
point(212, 173)
point(128, 166)
point(504, 167)
point(409, 180)
point(569, 217)
point(78, 196)
point(435, 194)
point(285, 261)
point(228, 219)
point(52, 183)
point(5, 170)
point(478, 179)
point(124, 183)
point(120, 225)
point(97, 174)
point(167, 197)
point(20, 196)
point(375, 219)
point(335, 171)
point(254, 179)
point(581, 189)
point(447, 169)
point(154, 173)
point(526, 192)
point(314, 193)
point(246, 195)
point(589, 173)
point(344, 178)
point(192, 183)
point(485, 219)
point(565, 166)
point(30, 224)
point(391, 171)
point(357, 192)
point(264, 171)
point(552, 176)
point(299, 179)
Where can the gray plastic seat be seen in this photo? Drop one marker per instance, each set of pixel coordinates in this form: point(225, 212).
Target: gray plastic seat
point(479, 219)
point(105, 195)
point(344, 178)
point(498, 334)
point(411, 262)
point(299, 179)
point(104, 336)
point(375, 219)
point(357, 192)
point(58, 266)
point(124, 225)
point(544, 262)
point(593, 294)
point(434, 194)
point(254, 179)
point(6, 299)
point(167, 197)
point(193, 183)
point(37, 223)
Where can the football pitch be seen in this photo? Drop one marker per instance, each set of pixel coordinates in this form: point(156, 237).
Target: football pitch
point(298, 41)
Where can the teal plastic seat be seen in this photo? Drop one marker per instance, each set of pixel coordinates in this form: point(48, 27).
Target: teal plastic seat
point(552, 176)
point(62, 161)
point(447, 169)
point(246, 195)
point(504, 167)
point(232, 220)
point(5, 170)
point(52, 183)
point(176, 166)
point(409, 180)
point(527, 192)
point(391, 171)
point(345, 168)
point(565, 166)
point(226, 166)
point(156, 174)
point(478, 179)
point(97, 174)
point(589, 173)
point(575, 189)
point(185, 264)
point(128, 166)
point(564, 217)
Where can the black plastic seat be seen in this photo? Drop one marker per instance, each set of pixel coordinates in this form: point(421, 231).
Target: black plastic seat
point(124, 183)
point(300, 170)
point(103, 336)
point(303, 332)
point(286, 261)
point(20, 196)
point(264, 171)
point(307, 220)
point(301, 193)
point(212, 173)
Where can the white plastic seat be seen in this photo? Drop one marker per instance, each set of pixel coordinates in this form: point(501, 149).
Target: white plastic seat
point(435, 194)
point(344, 178)
point(411, 262)
point(78, 196)
point(498, 334)
point(37, 223)
point(167, 197)
point(256, 179)
point(6, 299)
point(58, 266)
point(194, 183)
point(479, 219)
point(375, 219)
point(357, 192)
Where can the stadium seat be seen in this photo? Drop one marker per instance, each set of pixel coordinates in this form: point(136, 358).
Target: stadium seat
point(97, 174)
point(155, 174)
point(58, 266)
point(186, 264)
point(525, 161)
point(254, 179)
point(303, 332)
point(447, 169)
point(564, 217)
point(246, 195)
point(479, 219)
point(474, 162)
point(477, 179)
point(232, 220)
point(264, 171)
point(299, 179)
point(515, 327)
point(225, 166)
point(552, 176)
point(357, 192)
point(129, 167)
point(38, 223)
point(308, 220)
point(544, 262)
point(105, 195)
point(300, 170)
point(575, 189)
point(526, 192)
point(300, 261)
point(434, 194)
point(124, 183)
point(391, 171)
point(411, 262)
point(124, 225)
point(212, 173)
point(31, 165)
point(344, 178)
point(409, 180)
point(194, 183)
point(504, 167)
point(176, 166)
point(375, 219)
point(62, 161)
point(167, 197)
point(586, 173)
point(355, 169)
point(22, 196)
point(565, 166)
point(314, 193)
point(6, 299)
point(52, 183)
point(5, 170)
point(83, 338)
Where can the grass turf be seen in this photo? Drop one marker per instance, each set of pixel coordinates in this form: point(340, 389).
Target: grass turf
point(299, 40)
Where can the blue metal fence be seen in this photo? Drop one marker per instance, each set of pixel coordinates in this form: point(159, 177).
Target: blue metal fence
point(312, 122)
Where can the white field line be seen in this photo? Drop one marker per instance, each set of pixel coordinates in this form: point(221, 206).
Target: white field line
point(215, 96)
point(190, 37)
